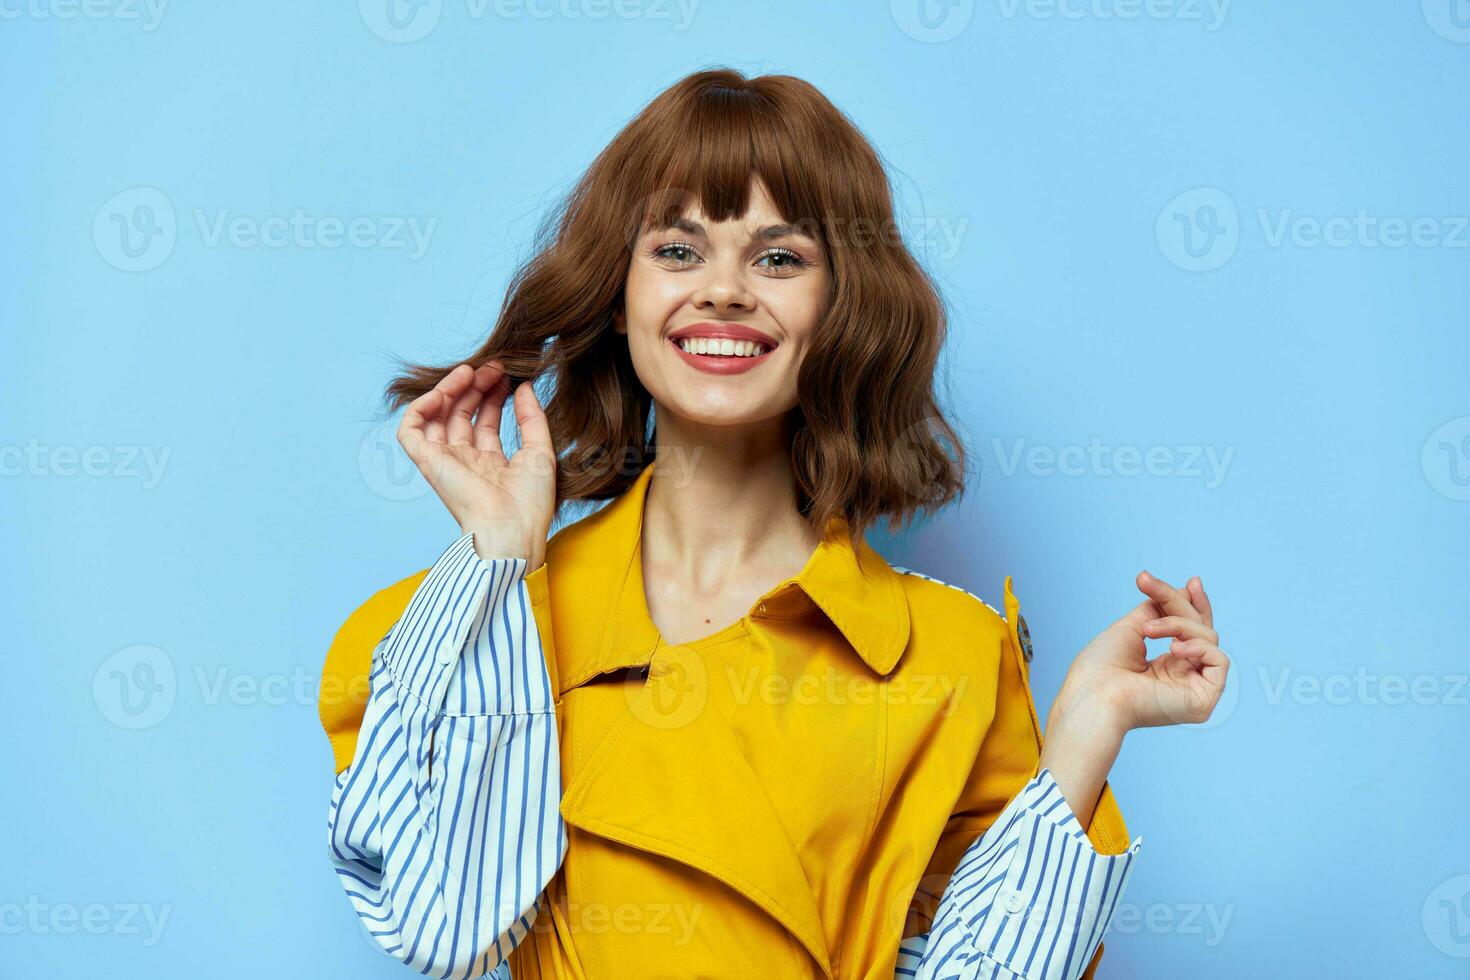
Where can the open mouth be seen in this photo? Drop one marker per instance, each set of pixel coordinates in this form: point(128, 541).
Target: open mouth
point(722, 347)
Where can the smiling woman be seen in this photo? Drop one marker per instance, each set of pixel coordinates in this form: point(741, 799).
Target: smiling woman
point(752, 204)
point(569, 746)
point(734, 269)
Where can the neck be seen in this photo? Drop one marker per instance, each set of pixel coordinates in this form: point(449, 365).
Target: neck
point(722, 497)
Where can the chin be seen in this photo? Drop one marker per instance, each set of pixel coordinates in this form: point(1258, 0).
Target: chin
point(721, 417)
point(722, 410)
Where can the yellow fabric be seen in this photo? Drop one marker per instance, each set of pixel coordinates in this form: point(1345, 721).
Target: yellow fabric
point(786, 797)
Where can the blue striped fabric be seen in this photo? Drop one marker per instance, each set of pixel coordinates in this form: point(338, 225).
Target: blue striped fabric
point(445, 828)
point(1030, 899)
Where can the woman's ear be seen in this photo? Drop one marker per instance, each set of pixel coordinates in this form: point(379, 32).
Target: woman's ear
point(619, 324)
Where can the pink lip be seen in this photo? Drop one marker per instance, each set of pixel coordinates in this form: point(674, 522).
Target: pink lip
point(716, 364)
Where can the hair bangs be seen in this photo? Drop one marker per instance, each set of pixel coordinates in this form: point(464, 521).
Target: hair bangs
point(707, 150)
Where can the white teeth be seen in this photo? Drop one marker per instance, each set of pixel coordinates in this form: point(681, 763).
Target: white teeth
point(723, 347)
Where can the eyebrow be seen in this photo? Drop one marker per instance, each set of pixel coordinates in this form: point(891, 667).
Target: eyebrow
point(769, 231)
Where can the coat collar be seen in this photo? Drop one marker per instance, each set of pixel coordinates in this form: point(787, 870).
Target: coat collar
point(856, 589)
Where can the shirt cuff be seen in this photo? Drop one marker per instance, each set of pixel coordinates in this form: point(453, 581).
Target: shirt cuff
point(423, 649)
point(1054, 894)
point(1031, 896)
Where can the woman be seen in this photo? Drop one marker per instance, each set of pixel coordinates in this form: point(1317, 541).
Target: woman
point(707, 730)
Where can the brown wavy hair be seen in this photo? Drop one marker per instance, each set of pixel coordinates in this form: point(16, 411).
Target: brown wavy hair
point(867, 437)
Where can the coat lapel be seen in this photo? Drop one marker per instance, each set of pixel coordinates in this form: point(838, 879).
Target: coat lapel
point(683, 788)
point(688, 793)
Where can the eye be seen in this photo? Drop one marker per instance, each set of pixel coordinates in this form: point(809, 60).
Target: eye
point(783, 260)
point(679, 253)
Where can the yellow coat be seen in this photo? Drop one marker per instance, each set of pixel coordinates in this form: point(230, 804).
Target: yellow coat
point(786, 797)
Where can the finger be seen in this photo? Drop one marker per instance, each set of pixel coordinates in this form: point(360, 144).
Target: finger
point(1212, 662)
point(1178, 626)
point(1195, 588)
point(434, 428)
point(1170, 664)
point(449, 388)
point(1144, 612)
point(420, 410)
point(492, 410)
point(416, 415)
point(459, 427)
point(414, 431)
point(411, 438)
point(1170, 599)
point(531, 418)
point(426, 405)
point(1181, 650)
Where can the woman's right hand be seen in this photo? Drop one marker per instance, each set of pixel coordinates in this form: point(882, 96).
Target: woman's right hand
point(507, 502)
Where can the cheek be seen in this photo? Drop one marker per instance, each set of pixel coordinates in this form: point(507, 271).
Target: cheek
point(649, 301)
point(649, 286)
point(799, 311)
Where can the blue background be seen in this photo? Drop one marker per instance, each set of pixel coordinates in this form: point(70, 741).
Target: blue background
point(1100, 197)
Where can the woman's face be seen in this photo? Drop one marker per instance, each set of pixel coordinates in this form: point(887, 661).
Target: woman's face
point(718, 314)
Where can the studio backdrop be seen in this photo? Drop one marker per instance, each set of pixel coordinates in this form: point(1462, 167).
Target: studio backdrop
point(1207, 271)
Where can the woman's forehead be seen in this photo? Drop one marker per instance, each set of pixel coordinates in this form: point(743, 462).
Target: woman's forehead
point(766, 225)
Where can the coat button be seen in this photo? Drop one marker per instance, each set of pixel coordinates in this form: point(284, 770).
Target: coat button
point(1015, 902)
point(1024, 635)
point(446, 653)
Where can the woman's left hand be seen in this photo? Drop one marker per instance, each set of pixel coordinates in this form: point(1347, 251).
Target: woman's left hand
point(1181, 686)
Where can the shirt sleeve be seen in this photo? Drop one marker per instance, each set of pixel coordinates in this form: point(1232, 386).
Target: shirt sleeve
point(445, 828)
point(1030, 899)
point(910, 954)
point(1004, 797)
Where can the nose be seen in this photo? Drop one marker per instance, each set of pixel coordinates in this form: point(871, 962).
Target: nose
point(723, 290)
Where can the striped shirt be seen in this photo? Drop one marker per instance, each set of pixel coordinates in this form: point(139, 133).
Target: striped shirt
point(446, 827)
